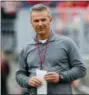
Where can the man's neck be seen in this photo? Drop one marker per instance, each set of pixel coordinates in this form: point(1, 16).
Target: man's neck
point(43, 36)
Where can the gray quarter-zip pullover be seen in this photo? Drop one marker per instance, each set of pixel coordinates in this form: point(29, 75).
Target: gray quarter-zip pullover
point(62, 56)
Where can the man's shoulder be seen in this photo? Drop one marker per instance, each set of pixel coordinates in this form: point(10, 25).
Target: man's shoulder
point(28, 46)
point(67, 41)
point(63, 38)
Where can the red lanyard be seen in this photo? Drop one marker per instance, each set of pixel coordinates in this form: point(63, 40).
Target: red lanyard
point(42, 59)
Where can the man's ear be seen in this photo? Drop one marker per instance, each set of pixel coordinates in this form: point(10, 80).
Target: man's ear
point(50, 19)
point(30, 21)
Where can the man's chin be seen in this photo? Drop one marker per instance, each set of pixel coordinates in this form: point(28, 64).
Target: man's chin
point(41, 32)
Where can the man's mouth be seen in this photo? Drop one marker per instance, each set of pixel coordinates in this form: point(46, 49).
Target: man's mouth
point(40, 29)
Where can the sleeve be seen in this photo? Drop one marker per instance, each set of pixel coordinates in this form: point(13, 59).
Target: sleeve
point(78, 69)
point(21, 73)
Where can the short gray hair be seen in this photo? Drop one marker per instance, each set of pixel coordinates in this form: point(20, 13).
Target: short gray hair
point(40, 7)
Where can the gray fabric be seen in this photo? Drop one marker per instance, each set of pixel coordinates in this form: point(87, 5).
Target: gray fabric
point(62, 56)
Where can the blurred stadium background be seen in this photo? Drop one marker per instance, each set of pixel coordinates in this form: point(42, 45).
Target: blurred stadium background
point(70, 18)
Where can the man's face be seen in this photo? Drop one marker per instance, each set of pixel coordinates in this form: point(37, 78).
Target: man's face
point(41, 21)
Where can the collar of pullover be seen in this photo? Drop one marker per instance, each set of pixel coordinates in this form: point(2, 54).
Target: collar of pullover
point(51, 38)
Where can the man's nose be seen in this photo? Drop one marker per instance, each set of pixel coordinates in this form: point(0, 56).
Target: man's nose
point(40, 23)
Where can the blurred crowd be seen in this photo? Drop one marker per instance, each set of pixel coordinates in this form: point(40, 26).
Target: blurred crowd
point(65, 22)
point(11, 7)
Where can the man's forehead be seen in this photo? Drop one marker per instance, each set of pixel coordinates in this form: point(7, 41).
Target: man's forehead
point(38, 13)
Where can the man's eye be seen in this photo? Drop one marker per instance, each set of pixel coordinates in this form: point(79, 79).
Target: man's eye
point(43, 19)
point(36, 20)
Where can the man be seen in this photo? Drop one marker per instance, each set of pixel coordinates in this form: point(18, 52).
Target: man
point(56, 54)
